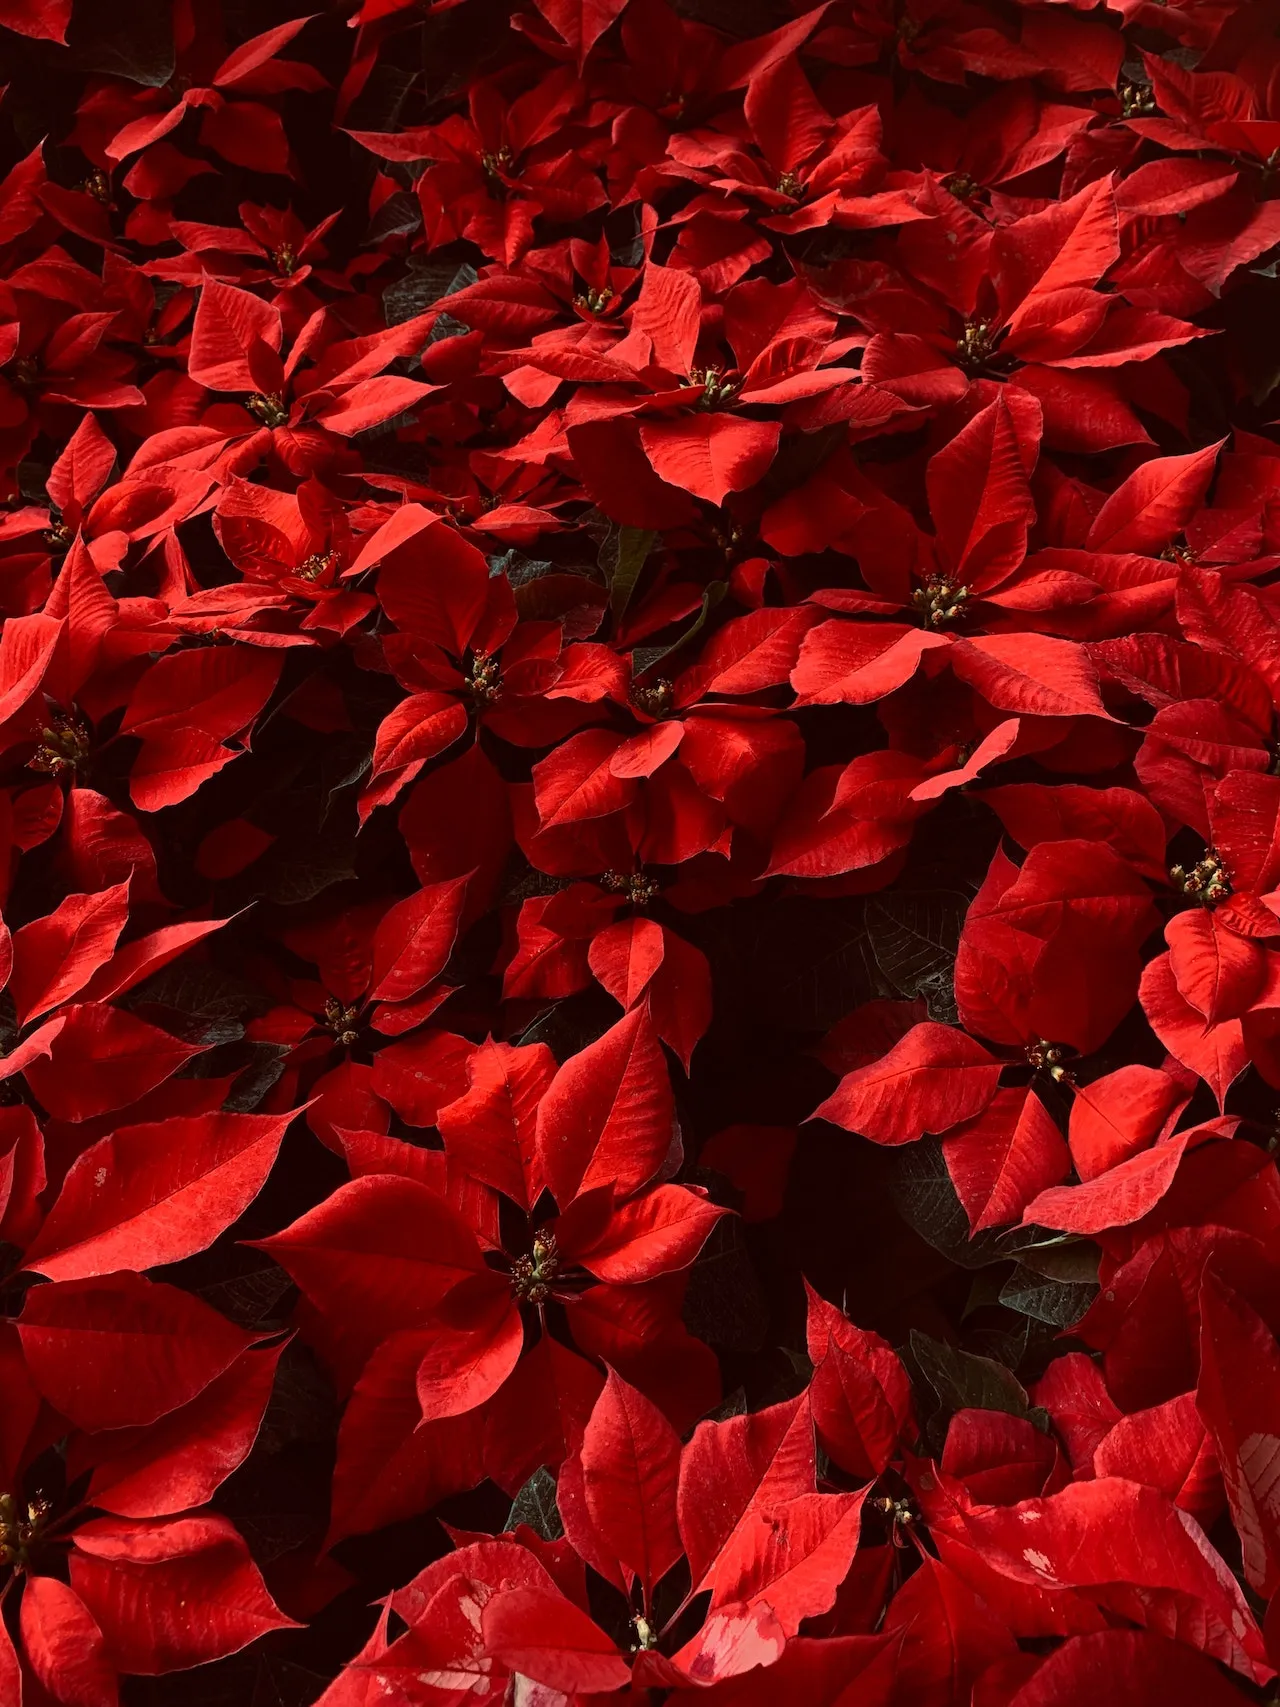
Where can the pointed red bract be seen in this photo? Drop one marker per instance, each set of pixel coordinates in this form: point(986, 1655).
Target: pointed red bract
point(630, 1462)
point(140, 1582)
point(1003, 1158)
point(55, 957)
point(930, 1081)
point(860, 1395)
point(118, 1351)
point(784, 504)
point(1238, 1397)
point(606, 1118)
point(154, 1194)
point(65, 1647)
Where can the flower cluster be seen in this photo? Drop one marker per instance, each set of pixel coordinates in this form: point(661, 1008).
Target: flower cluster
point(639, 670)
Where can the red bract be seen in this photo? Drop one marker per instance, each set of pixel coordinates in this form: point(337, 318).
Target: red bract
point(639, 853)
point(736, 1509)
point(135, 1565)
point(448, 1289)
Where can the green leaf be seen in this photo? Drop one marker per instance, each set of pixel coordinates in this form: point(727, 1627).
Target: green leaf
point(519, 569)
point(200, 991)
point(1066, 1258)
point(646, 658)
point(794, 963)
point(250, 1299)
point(291, 874)
point(914, 938)
point(962, 1381)
point(535, 1505)
point(32, 478)
point(424, 283)
point(398, 215)
point(252, 1082)
point(799, 458)
point(571, 1023)
point(724, 1304)
point(921, 1189)
point(622, 558)
point(139, 49)
point(304, 1405)
point(381, 98)
point(1061, 1303)
point(984, 1290)
point(733, 1405)
point(741, 18)
point(253, 1678)
point(344, 762)
point(393, 424)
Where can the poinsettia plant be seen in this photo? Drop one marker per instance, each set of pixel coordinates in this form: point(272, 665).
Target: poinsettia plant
point(639, 853)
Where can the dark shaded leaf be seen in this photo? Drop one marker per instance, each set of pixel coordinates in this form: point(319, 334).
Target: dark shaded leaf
point(291, 875)
point(424, 283)
point(1059, 1302)
point(962, 1381)
point(922, 1191)
point(724, 1303)
point(252, 1082)
point(140, 50)
point(398, 215)
point(520, 570)
point(646, 658)
point(535, 1505)
point(622, 558)
point(914, 938)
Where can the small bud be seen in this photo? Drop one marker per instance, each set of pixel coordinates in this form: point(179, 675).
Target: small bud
point(718, 390)
point(495, 166)
point(342, 1021)
point(940, 602)
point(64, 745)
point(635, 886)
point(269, 408)
point(961, 186)
point(318, 566)
point(531, 1276)
point(484, 679)
point(646, 1635)
point(654, 698)
point(1207, 881)
point(98, 185)
point(1046, 1057)
point(593, 301)
point(20, 1532)
point(1137, 100)
point(975, 345)
point(1179, 552)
